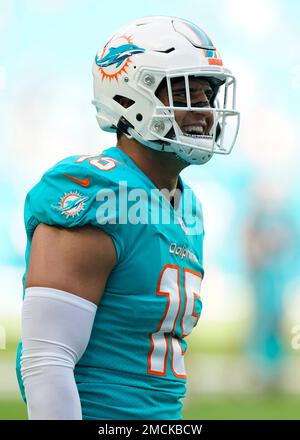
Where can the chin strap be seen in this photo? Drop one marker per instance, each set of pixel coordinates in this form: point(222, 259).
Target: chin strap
point(124, 126)
point(155, 145)
point(167, 147)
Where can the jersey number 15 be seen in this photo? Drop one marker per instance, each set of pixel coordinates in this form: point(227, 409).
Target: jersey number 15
point(169, 286)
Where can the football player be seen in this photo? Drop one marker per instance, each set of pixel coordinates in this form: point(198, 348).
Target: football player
point(110, 293)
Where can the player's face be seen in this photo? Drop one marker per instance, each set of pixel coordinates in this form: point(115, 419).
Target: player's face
point(201, 92)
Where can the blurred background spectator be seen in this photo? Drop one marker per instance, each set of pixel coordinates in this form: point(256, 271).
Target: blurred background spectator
point(270, 251)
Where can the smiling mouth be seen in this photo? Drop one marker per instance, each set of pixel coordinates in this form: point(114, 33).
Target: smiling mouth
point(193, 130)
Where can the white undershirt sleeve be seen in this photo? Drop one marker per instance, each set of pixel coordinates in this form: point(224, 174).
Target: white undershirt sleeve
point(56, 328)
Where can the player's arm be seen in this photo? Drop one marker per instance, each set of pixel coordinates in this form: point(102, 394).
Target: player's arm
point(67, 273)
point(77, 260)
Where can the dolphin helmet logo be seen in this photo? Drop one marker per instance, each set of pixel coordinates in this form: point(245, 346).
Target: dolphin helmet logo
point(116, 56)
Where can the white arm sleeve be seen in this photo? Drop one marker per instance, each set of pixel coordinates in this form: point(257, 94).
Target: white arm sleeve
point(56, 328)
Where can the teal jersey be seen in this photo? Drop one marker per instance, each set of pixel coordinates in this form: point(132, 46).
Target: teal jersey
point(133, 367)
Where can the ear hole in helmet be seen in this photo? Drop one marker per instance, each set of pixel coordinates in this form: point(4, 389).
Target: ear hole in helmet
point(123, 101)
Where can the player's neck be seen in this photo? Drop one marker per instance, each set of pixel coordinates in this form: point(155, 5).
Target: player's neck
point(162, 168)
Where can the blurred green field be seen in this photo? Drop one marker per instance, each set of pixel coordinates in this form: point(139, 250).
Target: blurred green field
point(207, 408)
point(226, 407)
point(12, 410)
point(210, 341)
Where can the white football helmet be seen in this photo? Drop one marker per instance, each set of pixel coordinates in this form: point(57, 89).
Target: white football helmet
point(157, 50)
